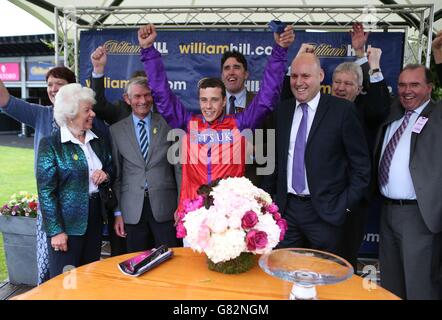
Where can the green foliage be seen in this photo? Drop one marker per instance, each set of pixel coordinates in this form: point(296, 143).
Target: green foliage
point(244, 262)
point(16, 174)
point(437, 94)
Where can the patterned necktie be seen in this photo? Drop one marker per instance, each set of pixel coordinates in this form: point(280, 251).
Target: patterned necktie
point(298, 178)
point(384, 166)
point(143, 139)
point(231, 109)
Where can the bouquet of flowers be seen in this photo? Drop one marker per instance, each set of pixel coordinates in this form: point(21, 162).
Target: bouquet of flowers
point(21, 204)
point(230, 219)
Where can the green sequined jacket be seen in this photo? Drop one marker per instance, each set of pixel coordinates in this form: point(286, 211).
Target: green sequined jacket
point(63, 183)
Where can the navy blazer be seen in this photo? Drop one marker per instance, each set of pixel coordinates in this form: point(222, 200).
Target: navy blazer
point(337, 159)
point(63, 183)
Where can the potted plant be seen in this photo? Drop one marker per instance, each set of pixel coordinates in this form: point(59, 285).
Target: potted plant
point(18, 224)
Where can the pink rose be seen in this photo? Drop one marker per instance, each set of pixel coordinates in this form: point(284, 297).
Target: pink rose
point(272, 208)
point(185, 204)
point(256, 240)
point(282, 224)
point(181, 231)
point(193, 205)
point(276, 216)
point(249, 220)
point(198, 202)
point(180, 215)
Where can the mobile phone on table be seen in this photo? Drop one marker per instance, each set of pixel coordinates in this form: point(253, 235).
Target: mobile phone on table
point(145, 261)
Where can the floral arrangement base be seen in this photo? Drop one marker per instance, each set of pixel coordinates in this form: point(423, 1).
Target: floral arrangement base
point(244, 262)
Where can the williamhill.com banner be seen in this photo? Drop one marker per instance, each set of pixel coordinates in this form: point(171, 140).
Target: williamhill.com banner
point(192, 55)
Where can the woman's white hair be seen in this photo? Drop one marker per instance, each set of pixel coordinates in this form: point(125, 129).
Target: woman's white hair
point(67, 102)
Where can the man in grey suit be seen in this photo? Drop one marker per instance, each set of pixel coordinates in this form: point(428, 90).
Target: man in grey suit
point(408, 159)
point(145, 184)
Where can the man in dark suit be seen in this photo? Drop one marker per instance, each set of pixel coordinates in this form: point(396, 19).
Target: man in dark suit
point(105, 110)
point(234, 75)
point(322, 165)
point(145, 184)
point(361, 82)
point(408, 161)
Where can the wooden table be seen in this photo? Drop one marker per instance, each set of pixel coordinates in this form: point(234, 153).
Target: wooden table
point(184, 277)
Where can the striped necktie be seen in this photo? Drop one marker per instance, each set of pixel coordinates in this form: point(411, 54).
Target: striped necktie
point(144, 144)
point(231, 109)
point(384, 166)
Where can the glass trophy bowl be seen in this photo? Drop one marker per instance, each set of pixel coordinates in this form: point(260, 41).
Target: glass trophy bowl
point(306, 268)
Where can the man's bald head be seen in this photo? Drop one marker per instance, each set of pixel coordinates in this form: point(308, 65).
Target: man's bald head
point(306, 76)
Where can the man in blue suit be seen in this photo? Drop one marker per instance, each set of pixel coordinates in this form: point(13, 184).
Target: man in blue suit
point(322, 160)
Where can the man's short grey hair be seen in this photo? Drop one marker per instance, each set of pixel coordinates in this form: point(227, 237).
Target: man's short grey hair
point(67, 102)
point(141, 81)
point(350, 67)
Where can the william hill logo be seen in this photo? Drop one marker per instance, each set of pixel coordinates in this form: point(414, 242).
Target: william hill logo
point(326, 50)
point(127, 48)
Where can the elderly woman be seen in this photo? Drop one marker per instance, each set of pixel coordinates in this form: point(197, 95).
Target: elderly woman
point(42, 120)
point(71, 164)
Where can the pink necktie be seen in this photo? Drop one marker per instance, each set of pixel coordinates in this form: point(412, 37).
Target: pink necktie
point(384, 166)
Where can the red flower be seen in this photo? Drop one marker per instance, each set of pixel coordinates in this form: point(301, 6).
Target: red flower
point(282, 224)
point(179, 215)
point(276, 216)
point(249, 220)
point(272, 208)
point(33, 205)
point(181, 231)
point(256, 240)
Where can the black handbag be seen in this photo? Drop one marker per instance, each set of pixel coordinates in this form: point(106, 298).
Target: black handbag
point(107, 196)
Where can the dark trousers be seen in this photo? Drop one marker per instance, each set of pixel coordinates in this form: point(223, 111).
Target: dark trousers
point(353, 234)
point(117, 244)
point(306, 229)
point(409, 253)
point(81, 249)
point(148, 233)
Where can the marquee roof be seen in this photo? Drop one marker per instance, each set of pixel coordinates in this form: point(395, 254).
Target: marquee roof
point(44, 9)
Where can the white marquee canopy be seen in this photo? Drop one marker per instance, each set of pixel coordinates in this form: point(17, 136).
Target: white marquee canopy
point(419, 19)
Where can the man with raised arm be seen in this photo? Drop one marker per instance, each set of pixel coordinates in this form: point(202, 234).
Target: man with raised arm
point(436, 46)
point(213, 146)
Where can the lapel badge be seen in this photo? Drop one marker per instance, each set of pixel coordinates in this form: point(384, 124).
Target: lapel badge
point(155, 130)
point(75, 157)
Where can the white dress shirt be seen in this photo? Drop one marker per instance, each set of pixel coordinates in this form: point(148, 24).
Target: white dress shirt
point(312, 106)
point(240, 98)
point(400, 185)
point(93, 162)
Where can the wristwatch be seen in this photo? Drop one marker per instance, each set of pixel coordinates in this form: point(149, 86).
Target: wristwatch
point(372, 71)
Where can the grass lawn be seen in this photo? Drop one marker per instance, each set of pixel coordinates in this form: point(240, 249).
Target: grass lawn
point(16, 174)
